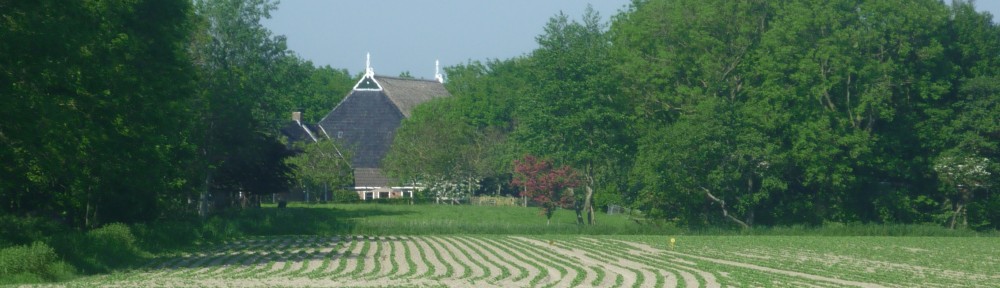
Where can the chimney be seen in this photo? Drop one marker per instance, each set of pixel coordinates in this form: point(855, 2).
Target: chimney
point(297, 117)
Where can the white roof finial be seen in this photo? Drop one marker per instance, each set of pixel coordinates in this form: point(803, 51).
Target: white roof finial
point(368, 83)
point(437, 72)
point(369, 72)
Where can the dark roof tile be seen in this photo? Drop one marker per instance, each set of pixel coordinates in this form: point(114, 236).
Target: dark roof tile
point(370, 177)
point(296, 132)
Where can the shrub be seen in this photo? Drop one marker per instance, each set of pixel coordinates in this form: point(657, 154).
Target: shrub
point(218, 228)
point(423, 196)
point(100, 250)
point(345, 196)
point(31, 264)
point(165, 235)
point(25, 230)
point(114, 243)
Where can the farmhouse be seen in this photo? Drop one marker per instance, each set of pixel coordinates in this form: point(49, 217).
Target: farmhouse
point(366, 121)
point(297, 131)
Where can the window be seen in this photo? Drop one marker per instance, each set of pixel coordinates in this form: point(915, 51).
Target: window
point(383, 194)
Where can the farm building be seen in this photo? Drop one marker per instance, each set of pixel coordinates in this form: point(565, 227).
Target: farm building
point(297, 131)
point(365, 121)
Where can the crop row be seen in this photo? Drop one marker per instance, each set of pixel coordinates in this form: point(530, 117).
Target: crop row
point(496, 261)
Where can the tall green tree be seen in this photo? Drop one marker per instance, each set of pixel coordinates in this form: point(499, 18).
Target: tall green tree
point(488, 95)
point(96, 98)
point(966, 127)
point(686, 65)
point(436, 149)
point(244, 74)
point(850, 73)
point(572, 112)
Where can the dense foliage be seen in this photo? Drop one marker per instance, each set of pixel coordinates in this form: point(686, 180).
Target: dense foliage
point(131, 111)
point(703, 113)
point(748, 112)
point(322, 168)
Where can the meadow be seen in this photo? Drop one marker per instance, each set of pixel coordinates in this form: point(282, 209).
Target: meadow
point(365, 245)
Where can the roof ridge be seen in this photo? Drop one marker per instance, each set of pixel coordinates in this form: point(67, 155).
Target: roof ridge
point(407, 79)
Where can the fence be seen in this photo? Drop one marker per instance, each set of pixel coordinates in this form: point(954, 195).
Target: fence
point(495, 201)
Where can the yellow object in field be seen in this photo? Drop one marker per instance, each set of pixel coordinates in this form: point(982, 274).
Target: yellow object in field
point(672, 241)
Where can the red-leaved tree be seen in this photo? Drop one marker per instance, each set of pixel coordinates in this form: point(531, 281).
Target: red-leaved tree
point(545, 184)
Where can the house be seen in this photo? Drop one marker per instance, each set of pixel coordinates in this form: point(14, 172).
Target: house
point(296, 131)
point(365, 121)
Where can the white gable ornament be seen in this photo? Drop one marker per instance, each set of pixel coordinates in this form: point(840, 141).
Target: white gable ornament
point(368, 83)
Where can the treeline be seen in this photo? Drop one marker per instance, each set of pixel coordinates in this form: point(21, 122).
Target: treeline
point(129, 111)
point(738, 113)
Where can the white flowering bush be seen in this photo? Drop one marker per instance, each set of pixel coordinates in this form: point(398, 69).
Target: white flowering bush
point(963, 172)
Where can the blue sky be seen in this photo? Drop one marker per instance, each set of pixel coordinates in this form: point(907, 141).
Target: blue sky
point(408, 35)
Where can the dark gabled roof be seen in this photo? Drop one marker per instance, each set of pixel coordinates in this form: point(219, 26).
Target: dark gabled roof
point(366, 122)
point(297, 132)
point(370, 177)
point(408, 93)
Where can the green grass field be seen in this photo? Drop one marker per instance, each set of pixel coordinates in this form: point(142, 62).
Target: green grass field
point(374, 219)
point(364, 245)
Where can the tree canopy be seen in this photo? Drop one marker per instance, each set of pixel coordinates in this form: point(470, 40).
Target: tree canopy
point(702, 112)
point(755, 112)
point(125, 111)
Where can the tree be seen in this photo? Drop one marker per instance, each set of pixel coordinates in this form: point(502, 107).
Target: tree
point(545, 184)
point(964, 169)
point(487, 97)
point(573, 113)
point(704, 146)
point(95, 121)
point(244, 71)
point(432, 148)
point(321, 165)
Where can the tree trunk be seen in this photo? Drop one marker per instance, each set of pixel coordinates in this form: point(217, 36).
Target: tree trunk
point(588, 204)
point(959, 207)
point(588, 199)
point(749, 219)
point(86, 216)
point(954, 216)
point(579, 212)
point(725, 213)
point(577, 207)
point(203, 198)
